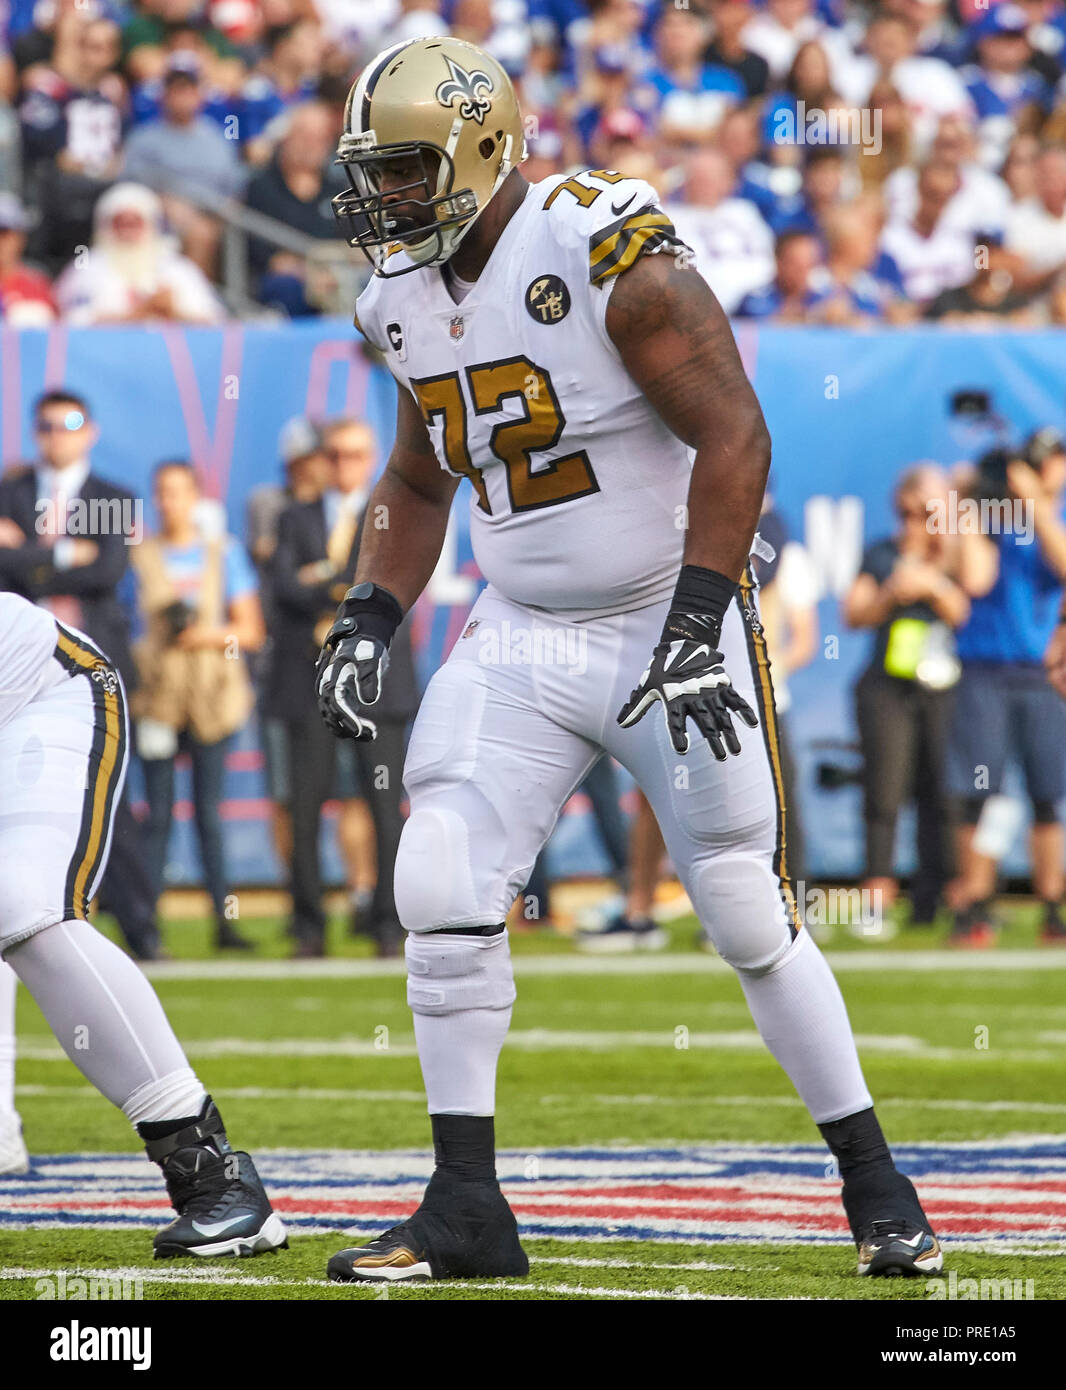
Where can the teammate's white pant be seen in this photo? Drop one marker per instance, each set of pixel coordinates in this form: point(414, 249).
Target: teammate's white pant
point(508, 727)
point(62, 765)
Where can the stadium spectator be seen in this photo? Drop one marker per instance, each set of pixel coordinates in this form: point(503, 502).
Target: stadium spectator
point(1019, 168)
point(892, 122)
point(982, 200)
point(908, 593)
point(46, 556)
point(287, 76)
point(777, 32)
point(294, 189)
point(733, 245)
point(1036, 227)
point(26, 298)
point(182, 151)
point(689, 96)
point(930, 88)
point(416, 19)
point(728, 49)
point(931, 255)
point(1006, 710)
point(789, 296)
point(306, 477)
point(71, 113)
point(859, 283)
point(132, 273)
point(200, 614)
point(990, 298)
point(1007, 95)
point(318, 544)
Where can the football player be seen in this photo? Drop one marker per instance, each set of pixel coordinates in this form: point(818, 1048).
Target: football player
point(554, 347)
point(63, 737)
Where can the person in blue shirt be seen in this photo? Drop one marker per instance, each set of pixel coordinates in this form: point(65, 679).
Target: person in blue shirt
point(1005, 706)
point(1002, 85)
point(690, 96)
point(790, 295)
point(199, 609)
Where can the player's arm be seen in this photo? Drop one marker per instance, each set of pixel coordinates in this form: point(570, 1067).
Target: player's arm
point(678, 347)
point(407, 516)
point(408, 511)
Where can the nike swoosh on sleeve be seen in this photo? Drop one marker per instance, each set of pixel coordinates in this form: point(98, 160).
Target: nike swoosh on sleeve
point(619, 210)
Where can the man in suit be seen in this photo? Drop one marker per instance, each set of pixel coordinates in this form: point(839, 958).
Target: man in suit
point(313, 565)
point(64, 544)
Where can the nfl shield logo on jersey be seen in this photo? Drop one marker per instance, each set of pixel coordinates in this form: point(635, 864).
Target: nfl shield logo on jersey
point(457, 328)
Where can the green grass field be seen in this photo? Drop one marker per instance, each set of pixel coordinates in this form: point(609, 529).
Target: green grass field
point(647, 1051)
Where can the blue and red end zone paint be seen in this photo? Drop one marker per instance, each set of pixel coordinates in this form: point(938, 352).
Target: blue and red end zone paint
point(997, 1193)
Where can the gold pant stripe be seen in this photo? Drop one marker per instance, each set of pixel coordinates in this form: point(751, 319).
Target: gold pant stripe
point(106, 758)
point(764, 692)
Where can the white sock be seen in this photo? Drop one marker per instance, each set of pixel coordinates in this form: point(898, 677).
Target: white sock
point(799, 1010)
point(459, 1051)
point(104, 1013)
point(8, 985)
point(176, 1096)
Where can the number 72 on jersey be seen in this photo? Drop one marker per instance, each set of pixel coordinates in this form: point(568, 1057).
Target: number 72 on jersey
point(515, 439)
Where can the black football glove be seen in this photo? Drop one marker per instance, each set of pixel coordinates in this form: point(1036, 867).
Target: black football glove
point(354, 659)
point(686, 674)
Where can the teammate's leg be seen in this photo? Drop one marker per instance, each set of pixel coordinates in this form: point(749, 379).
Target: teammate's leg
point(487, 772)
point(725, 828)
point(13, 1156)
point(53, 849)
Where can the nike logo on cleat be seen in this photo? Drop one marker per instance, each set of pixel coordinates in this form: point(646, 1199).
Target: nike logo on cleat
point(218, 1227)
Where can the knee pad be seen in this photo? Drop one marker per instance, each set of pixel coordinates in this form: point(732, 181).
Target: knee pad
point(451, 974)
point(1044, 812)
point(738, 899)
point(434, 882)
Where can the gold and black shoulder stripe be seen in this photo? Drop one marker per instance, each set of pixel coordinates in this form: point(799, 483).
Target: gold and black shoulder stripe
point(764, 696)
point(617, 247)
point(107, 762)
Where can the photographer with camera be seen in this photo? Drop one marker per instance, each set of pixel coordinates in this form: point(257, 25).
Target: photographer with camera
point(907, 591)
point(1013, 568)
point(200, 609)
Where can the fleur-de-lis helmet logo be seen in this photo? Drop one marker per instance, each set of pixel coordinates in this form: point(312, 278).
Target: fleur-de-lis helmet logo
point(473, 90)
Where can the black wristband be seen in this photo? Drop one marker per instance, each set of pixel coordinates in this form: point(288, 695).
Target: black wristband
point(704, 593)
point(366, 609)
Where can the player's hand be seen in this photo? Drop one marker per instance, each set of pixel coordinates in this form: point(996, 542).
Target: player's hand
point(355, 656)
point(348, 679)
point(688, 679)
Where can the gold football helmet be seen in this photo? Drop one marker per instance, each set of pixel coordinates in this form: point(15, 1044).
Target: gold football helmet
point(431, 130)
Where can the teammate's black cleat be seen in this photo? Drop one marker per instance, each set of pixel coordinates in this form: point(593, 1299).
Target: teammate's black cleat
point(221, 1205)
point(462, 1230)
point(895, 1248)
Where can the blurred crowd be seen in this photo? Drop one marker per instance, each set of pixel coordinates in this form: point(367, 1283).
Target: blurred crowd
point(828, 161)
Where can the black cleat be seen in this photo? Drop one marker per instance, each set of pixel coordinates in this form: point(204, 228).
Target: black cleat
point(891, 1231)
point(898, 1249)
point(462, 1230)
point(221, 1205)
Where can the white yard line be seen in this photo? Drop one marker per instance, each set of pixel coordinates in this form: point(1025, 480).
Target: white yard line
point(327, 1095)
point(874, 960)
point(210, 1277)
point(39, 1049)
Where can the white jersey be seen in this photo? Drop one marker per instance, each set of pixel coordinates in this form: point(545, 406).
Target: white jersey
point(579, 489)
point(27, 644)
